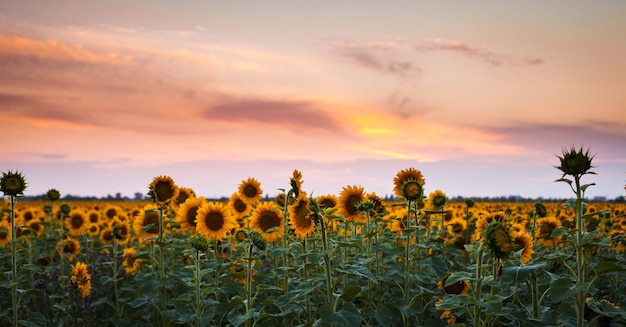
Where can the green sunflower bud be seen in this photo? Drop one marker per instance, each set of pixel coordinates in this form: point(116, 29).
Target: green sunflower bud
point(575, 163)
point(200, 243)
point(12, 183)
point(53, 194)
point(65, 208)
point(258, 240)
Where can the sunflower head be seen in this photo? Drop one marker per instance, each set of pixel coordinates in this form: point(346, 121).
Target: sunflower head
point(301, 216)
point(200, 243)
point(65, 208)
point(258, 240)
point(241, 235)
point(349, 199)
point(327, 201)
point(268, 220)
point(437, 199)
point(461, 287)
point(250, 190)
point(575, 163)
point(184, 193)
point(469, 202)
point(163, 189)
point(405, 175)
point(412, 190)
point(12, 183)
point(499, 239)
point(296, 183)
point(524, 242)
point(540, 209)
point(53, 194)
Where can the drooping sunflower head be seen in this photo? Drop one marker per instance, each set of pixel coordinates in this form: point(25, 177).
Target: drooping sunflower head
point(301, 216)
point(147, 224)
point(163, 189)
point(544, 232)
point(499, 239)
point(12, 183)
point(437, 199)
point(524, 242)
point(214, 221)
point(575, 163)
point(53, 195)
point(121, 230)
point(200, 243)
point(186, 214)
point(69, 247)
point(250, 190)
point(461, 287)
point(404, 176)
point(348, 202)
point(296, 182)
point(379, 206)
point(267, 219)
point(131, 263)
point(540, 209)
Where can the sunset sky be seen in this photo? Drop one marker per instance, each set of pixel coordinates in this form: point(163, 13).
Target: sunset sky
point(99, 97)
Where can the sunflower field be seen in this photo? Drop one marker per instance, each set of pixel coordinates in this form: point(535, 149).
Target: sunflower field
point(350, 259)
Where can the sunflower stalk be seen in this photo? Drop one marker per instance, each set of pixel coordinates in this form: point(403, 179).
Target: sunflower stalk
point(116, 291)
point(14, 299)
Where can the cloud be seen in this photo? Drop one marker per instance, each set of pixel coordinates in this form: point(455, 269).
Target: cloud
point(297, 115)
point(383, 57)
point(485, 55)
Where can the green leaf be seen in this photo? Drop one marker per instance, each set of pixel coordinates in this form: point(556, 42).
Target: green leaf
point(608, 266)
point(568, 181)
point(522, 272)
point(563, 288)
point(350, 292)
point(358, 271)
point(584, 187)
point(34, 319)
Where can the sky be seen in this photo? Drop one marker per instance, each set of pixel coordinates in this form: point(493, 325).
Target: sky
point(100, 97)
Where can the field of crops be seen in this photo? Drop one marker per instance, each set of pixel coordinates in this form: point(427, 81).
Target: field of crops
point(349, 259)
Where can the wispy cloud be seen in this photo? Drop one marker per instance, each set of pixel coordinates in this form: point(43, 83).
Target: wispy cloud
point(489, 57)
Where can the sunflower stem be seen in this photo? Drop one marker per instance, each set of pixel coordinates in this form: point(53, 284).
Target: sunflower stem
point(327, 268)
point(197, 280)
point(14, 300)
point(115, 271)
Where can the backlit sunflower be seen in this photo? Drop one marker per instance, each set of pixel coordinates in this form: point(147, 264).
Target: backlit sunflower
point(250, 190)
point(186, 215)
point(82, 278)
point(349, 198)
point(76, 222)
point(461, 287)
point(214, 221)
point(437, 199)
point(12, 183)
point(327, 201)
point(300, 216)
point(5, 233)
point(69, 246)
point(163, 189)
point(544, 232)
point(147, 224)
point(405, 175)
point(239, 208)
point(132, 264)
point(523, 241)
point(267, 219)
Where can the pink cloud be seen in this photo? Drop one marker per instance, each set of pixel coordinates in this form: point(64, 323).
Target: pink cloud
point(485, 55)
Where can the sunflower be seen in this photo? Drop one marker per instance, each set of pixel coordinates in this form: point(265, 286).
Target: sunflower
point(524, 242)
point(76, 221)
point(28, 215)
point(93, 216)
point(121, 230)
point(499, 239)
point(5, 233)
point(93, 229)
point(238, 207)
point(147, 225)
point(327, 201)
point(378, 202)
point(106, 235)
point(457, 227)
point(69, 246)
point(300, 216)
point(485, 218)
point(36, 226)
point(461, 287)
point(268, 220)
point(347, 203)
point(186, 215)
point(437, 199)
point(404, 176)
point(12, 183)
point(81, 278)
point(544, 232)
point(214, 221)
point(111, 211)
point(184, 193)
point(296, 182)
point(250, 191)
point(53, 194)
point(163, 189)
point(131, 263)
